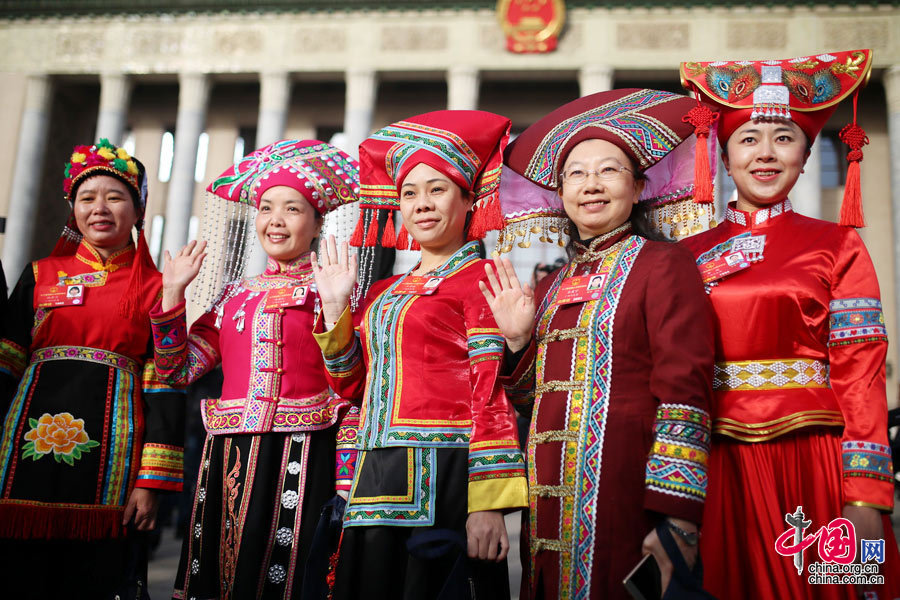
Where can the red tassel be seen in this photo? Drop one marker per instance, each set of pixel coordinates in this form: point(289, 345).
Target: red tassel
point(388, 238)
point(130, 303)
point(48, 522)
point(402, 238)
point(487, 217)
point(372, 232)
point(851, 208)
point(356, 239)
point(414, 245)
point(702, 118)
point(331, 578)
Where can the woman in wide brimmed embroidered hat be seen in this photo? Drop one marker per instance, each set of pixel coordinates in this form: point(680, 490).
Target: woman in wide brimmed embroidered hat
point(799, 408)
point(279, 442)
point(617, 345)
point(91, 435)
point(440, 459)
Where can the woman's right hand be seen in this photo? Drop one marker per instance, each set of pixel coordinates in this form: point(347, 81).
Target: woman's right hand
point(335, 278)
point(179, 271)
point(511, 303)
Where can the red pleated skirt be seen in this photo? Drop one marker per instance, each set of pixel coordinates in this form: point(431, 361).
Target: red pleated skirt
point(752, 486)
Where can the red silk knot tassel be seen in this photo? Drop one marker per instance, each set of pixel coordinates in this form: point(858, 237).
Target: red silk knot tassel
point(702, 117)
point(486, 217)
point(130, 304)
point(372, 231)
point(851, 208)
point(389, 238)
point(356, 240)
point(402, 242)
point(331, 578)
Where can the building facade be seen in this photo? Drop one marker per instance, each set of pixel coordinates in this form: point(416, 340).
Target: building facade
point(188, 86)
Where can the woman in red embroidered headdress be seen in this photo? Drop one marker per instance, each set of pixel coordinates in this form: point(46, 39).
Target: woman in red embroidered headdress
point(617, 345)
point(279, 442)
point(800, 408)
point(440, 459)
point(91, 435)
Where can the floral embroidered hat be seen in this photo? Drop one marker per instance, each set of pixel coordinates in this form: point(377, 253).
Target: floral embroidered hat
point(658, 130)
point(465, 145)
point(327, 177)
point(805, 90)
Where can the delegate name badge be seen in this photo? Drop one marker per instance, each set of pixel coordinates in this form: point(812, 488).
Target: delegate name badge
point(418, 285)
point(722, 267)
point(52, 296)
point(581, 288)
point(287, 297)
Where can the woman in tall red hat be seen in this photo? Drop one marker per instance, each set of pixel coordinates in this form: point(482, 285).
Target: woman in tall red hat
point(800, 435)
point(279, 443)
point(91, 435)
point(617, 346)
point(440, 460)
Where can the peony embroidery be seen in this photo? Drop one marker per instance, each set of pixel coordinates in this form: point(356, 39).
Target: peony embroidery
point(61, 434)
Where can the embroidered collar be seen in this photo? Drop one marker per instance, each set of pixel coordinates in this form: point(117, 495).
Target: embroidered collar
point(297, 267)
point(89, 256)
point(600, 245)
point(744, 219)
point(466, 254)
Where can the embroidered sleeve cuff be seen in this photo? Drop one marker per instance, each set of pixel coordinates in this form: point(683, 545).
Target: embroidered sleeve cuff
point(485, 344)
point(169, 328)
point(340, 346)
point(162, 467)
point(12, 358)
point(153, 384)
point(345, 468)
point(868, 474)
point(519, 386)
point(498, 494)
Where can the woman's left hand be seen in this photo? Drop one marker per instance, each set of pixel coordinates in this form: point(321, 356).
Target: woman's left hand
point(485, 532)
point(142, 505)
point(652, 545)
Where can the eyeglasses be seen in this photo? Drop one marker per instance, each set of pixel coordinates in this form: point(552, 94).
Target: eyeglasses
point(604, 173)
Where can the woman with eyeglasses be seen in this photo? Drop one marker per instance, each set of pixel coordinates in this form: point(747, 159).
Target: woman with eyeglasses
point(613, 352)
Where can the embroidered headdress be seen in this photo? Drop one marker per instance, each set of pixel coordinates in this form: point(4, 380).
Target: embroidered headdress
point(650, 126)
point(327, 178)
point(805, 90)
point(104, 158)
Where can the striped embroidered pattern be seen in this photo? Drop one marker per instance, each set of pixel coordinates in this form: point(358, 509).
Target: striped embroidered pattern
point(416, 509)
point(495, 459)
point(855, 320)
point(677, 463)
point(345, 362)
point(162, 467)
point(485, 344)
point(96, 355)
point(12, 358)
point(412, 137)
point(152, 384)
point(867, 459)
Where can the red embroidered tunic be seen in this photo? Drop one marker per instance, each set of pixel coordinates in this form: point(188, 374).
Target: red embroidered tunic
point(426, 369)
point(619, 386)
point(274, 376)
point(88, 418)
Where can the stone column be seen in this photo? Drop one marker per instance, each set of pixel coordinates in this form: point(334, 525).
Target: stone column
point(892, 93)
point(595, 78)
point(274, 102)
point(360, 106)
point(806, 197)
point(115, 91)
point(26, 184)
point(193, 94)
point(463, 83)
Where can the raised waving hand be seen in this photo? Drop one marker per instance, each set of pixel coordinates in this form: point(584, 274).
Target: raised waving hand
point(179, 271)
point(335, 278)
point(512, 303)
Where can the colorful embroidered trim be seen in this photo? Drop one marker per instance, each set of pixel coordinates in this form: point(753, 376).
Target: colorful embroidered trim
point(677, 463)
point(415, 509)
point(152, 384)
point(485, 344)
point(345, 363)
point(496, 463)
point(180, 358)
point(867, 459)
point(122, 433)
point(855, 320)
point(12, 358)
point(412, 137)
point(776, 374)
point(103, 357)
point(221, 416)
point(162, 467)
point(760, 216)
point(648, 137)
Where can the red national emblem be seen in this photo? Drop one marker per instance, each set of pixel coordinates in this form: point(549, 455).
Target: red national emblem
point(531, 25)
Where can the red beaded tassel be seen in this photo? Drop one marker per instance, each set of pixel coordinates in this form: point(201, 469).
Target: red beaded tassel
point(851, 208)
point(702, 117)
